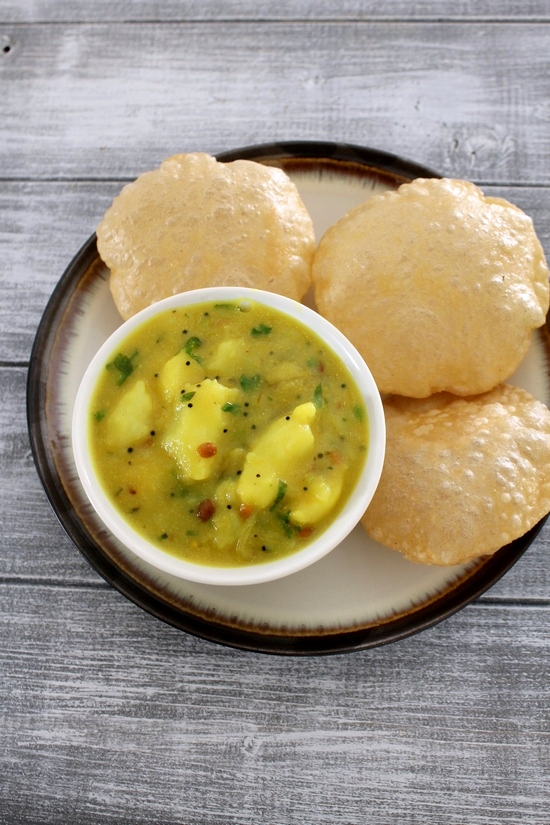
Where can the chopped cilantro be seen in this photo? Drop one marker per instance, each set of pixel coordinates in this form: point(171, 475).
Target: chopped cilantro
point(231, 408)
point(288, 528)
point(179, 490)
point(280, 493)
point(192, 344)
point(359, 412)
point(250, 382)
point(261, 329)
point(123, 365)
point(99, 415)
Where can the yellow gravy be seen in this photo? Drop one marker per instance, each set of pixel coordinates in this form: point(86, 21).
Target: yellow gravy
point(227, 433)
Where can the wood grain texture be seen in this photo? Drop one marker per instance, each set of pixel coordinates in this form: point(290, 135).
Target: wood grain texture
point(106, 714)
point(44, 224)
point(107, 101)
point(33, 11)
point(34, 547)
point(125, 720)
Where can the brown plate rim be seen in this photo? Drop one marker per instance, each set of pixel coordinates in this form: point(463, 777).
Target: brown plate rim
point(484, 575)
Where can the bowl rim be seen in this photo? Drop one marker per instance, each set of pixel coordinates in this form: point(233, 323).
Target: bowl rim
point(336, 531)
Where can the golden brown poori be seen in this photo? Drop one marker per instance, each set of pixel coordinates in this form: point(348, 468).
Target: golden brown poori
point(438, 286)
point(196, 222)
point(462, 476)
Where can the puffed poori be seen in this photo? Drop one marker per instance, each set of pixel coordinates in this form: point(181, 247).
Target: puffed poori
point(195, 222)
point(462, 476)
point(438, 286)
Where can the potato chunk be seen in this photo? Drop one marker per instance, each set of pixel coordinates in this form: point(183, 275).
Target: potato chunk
point(226, 520)
point(177, 372)
point(280, 453)
point(285, 371)
point(320, 497)
point(229, 357)
point(198, 422)
point(132, 418)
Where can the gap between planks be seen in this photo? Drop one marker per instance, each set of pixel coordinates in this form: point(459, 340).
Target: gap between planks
point(483, 601)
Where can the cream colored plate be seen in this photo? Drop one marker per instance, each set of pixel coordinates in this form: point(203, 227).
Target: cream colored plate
point(362, 594)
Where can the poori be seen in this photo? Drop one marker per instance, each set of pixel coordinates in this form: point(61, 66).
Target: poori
point(438, 286)
point(462, 476)
point(195, 222)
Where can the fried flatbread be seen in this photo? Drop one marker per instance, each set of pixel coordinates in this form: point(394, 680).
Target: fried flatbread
point(438, 286)
point(462, 476)
point(196, 222)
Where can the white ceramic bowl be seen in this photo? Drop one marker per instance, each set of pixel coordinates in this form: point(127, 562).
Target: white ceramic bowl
point(338, 529)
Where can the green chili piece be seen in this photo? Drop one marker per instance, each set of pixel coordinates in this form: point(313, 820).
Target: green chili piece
point(225, 306)
point(318, 398)
point(187, 396)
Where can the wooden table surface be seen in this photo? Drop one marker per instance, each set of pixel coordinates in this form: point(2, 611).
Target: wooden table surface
point(109, 715)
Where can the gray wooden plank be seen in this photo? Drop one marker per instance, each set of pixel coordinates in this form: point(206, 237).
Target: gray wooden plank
point(110, 100)
point(171, 10)
point(111, 716)
point(106, 714)
point(34, 547)
point(44, 224)
point(529, 578)
point(33, 544)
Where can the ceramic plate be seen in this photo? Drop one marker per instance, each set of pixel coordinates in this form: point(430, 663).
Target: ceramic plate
point(362, 594)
